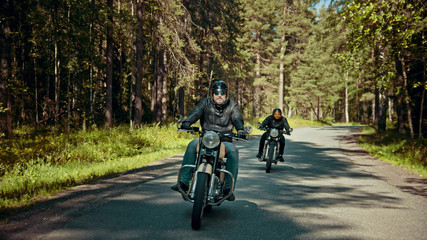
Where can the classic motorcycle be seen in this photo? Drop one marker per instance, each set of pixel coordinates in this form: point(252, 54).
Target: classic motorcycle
point(207, 185)
point(271, 147)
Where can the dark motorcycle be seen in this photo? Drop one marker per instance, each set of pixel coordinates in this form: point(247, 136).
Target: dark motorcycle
point(207, 185)
point(271, 147)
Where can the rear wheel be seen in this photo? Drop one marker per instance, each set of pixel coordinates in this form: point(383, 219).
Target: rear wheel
point(199, 200)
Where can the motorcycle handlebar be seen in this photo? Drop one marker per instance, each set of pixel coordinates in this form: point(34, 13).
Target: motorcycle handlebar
point(197, 130)
point(190, 129)
point(283, 131)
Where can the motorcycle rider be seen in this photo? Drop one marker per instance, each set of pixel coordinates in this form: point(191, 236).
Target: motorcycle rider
point(276, 120)
point(220, 114)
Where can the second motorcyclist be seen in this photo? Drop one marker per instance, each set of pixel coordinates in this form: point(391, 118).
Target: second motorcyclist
point(275, 120)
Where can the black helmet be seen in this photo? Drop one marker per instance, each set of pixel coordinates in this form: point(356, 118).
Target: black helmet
point(219, 87)
point(277, 110)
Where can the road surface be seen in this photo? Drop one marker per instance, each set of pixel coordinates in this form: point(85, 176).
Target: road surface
point(328, 188)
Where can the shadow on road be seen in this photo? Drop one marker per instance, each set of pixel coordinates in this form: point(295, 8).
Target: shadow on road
point(140, 205)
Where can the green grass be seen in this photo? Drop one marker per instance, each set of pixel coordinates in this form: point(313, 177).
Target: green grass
point(397, 149)
point(35, 166)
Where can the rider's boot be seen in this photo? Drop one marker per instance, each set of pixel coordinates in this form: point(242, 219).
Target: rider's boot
point(182, 185)
point(232, 197)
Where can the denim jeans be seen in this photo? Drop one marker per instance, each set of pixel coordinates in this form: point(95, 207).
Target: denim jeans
point(190, 155)
point(262, 142)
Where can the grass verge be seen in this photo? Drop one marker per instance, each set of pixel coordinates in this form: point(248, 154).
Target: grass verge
point(397, 149)
point(36, 166)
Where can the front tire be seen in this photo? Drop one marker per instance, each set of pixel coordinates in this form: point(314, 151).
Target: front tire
point(269, 158)
point(199, 200)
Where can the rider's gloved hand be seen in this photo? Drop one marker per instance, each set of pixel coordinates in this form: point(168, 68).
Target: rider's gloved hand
point(241, 134)
point(185, 125)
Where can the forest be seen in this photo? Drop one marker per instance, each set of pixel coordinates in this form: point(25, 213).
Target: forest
point(69, 65)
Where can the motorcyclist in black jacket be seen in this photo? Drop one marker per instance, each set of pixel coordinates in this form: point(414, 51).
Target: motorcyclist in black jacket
point(220, 114)
point(276, 120)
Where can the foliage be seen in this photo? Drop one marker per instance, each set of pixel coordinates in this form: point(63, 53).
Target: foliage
point(386, 42)
point(397, 149)
point(57, 58)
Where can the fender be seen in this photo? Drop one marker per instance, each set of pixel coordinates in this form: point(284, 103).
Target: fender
point(206, 168)
point(222, 150)
point(272, 144)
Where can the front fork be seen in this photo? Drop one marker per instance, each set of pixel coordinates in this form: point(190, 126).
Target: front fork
point(268, 146)
point(207, 168)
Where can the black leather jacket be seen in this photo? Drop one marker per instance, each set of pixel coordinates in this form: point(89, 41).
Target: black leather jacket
point(217, 118)
point(278, 124)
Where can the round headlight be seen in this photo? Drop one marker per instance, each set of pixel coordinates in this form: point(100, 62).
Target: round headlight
point(210, 139)
point(274, 132)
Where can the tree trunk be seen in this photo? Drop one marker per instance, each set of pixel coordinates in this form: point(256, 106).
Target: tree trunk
point(181, 99)
point(257, 88)
point(138, 70)
point(156, 93)
point(347, 118)
point(5, 113)
point(390, 109)
point(91, 68)
point(400, 112)
point(36, 95)
point(376, 106)
point(420, 127)
point(159, 89)
point(282, 73)
point(109, 81)
point(382, 118)
point(57, 82)
point(312, 114)
point(164, 95)
point(424, 85)
point(407, 98)
point(69, 102)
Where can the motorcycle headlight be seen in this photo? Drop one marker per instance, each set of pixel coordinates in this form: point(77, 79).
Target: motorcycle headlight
point(274, 132)
point(210, 139)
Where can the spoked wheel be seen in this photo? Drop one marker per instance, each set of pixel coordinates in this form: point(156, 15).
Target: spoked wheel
point(199, 200)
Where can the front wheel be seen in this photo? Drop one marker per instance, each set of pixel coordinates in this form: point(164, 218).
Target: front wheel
point(269, 158)
point(200, 194)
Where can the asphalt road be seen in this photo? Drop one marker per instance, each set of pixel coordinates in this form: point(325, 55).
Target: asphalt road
point(328, 188)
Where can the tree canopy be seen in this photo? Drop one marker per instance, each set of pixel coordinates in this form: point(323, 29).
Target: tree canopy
point(78, 64)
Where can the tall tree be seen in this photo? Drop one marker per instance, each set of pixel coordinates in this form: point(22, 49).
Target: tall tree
point(139, 62)
point(261, 22)
point(5, 103)
point(109, 76)
point(390, 27)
